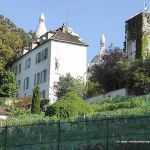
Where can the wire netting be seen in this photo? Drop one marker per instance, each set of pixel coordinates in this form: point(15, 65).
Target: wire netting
point(103, 134)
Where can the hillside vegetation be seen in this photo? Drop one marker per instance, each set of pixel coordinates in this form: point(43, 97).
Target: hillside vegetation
point(123, 106)
point(71, 107)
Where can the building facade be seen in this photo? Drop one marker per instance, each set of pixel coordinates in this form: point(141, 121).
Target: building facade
point(55, 53)
point(137, 36)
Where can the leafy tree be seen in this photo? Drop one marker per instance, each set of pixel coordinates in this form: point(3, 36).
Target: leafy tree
point(93, 89)
point(138, 80)
point(8, 85)
point(106, 73)
point(68, 84)
point(36, 101)
point(12, 39)
point(69, 105)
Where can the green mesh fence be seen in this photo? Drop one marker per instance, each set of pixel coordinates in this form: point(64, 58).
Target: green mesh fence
point(104, 134)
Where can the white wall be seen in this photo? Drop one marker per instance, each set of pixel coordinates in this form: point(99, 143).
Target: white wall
point(34, 68)
point(72, 59)
point(120, 92)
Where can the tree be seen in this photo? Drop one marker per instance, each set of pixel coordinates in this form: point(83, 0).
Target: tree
point(106, 73)
point(8, 86)
point(139, 77)
point(93, 89)
point(36, 101)
point(12, 39)
point(68, 84)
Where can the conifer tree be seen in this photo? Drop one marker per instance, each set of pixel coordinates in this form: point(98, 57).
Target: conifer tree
point(36, 101)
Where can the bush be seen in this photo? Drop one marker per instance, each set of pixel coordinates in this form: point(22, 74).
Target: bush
point(70, 105)
point(93, 89)
point(44, 104)
point(109, 105)
point(36, 101)
point(24, 102)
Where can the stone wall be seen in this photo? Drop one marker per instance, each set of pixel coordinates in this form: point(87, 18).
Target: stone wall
point(120, 92)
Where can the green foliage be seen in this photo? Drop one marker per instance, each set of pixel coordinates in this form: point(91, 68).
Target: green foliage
point(133, 75)
point(123, 106)
point(26, 119)
point(8, 85)
point(36, 101)
point(11, 40)
point(44, 104)
point(93, 89)
point(70, 105)
point(145, 49)
point(117, 105)
point(69, 84)
point(106, 73)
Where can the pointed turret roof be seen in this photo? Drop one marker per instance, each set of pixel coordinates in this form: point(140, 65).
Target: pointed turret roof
point(103, 40)
point(41, 29)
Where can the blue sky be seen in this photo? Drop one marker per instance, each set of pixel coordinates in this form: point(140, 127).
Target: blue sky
point(88, 18)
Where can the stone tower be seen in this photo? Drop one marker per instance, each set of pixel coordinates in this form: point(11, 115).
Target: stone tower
point(137, 36)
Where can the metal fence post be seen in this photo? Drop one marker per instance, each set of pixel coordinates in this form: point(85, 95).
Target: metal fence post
point(58, 135)
point(5, 142)
point(107, 134)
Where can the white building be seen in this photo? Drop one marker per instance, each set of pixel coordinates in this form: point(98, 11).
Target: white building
point(55, 53)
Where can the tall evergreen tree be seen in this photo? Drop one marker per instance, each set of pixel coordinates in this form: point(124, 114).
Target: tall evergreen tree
point(36, 101)
point(8, 86)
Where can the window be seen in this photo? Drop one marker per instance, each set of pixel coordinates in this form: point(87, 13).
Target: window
point(38, 58)
point(15, 69)
point(40, 77)
point(19, 68)
point(35, 79)
point(44, 54)
point(26, 83)
point(18, 83)
point(44, 75)
point(28, 62)
point(41, 56)
point(43, 94)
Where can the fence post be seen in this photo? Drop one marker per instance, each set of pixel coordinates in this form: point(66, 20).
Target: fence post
point(58, 134)
point(5, 142)
point(107, 134)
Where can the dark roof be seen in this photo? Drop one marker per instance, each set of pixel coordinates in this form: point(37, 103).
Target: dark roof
point(68, 37)
point(137, 15)
point(59, 35)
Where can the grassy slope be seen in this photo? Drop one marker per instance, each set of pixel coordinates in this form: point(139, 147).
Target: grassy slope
point(123, 106)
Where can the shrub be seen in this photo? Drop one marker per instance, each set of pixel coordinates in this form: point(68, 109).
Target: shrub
point(109, 105)
point(70, 105)
point(24, 102)
point(36, 101)
point(44, 104)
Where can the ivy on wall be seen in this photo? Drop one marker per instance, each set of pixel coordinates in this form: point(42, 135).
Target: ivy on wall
point(139, 32)
point(145, 49)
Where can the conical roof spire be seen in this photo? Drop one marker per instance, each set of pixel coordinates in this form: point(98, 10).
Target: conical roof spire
point(145, 7)
point(103, 40)
point(41, 29)
point(42, 17)
point(102, 45)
